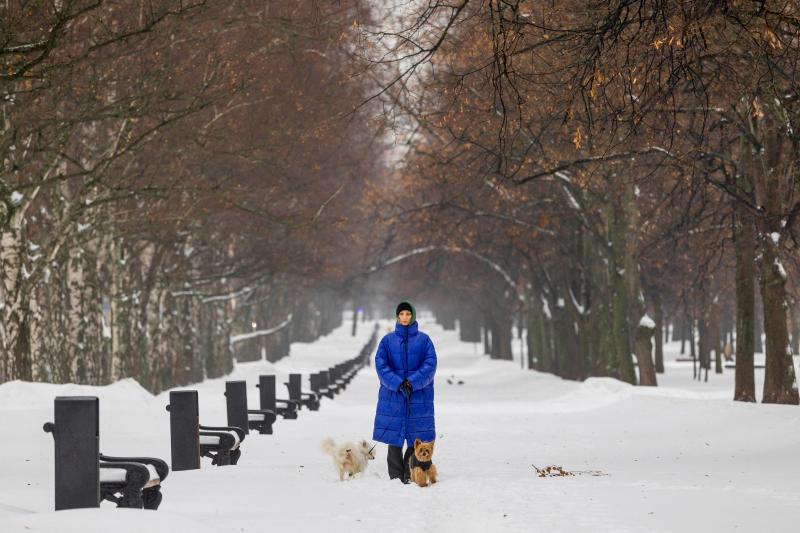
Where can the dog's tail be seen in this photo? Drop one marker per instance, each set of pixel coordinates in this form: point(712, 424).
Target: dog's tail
point(328, 446)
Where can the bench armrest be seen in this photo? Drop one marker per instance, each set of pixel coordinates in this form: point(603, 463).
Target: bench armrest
point(261, 412)
point(135, 473)
point(238, 431)
point(288, 402)
point(161, 466)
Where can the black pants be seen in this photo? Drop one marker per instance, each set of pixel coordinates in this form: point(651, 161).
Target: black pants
point(398, 462)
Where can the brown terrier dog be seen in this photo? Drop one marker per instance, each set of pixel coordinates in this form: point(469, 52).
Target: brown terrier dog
point(420, 464)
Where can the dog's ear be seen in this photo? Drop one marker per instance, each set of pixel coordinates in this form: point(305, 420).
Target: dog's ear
point(417, 442)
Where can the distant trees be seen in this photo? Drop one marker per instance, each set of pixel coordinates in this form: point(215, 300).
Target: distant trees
point(169, 182)
point(617, 159)
point(179, 179)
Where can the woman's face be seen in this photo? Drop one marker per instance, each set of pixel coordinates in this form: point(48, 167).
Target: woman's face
point(404, 318)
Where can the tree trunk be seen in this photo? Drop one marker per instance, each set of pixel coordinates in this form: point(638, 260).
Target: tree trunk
point(684, 331)
point(643, 349)
point(659, 332)
point(469, 327)
point(705, 343)
point(621, 298)
point(487, 344)
point(716, 337)
point(745, 243)
point(794, 314)
point(759, 325)
point(501, 338)
point(780, 384)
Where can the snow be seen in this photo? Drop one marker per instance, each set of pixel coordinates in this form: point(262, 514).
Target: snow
point(647, 322)
point(571, 199)
point(679, 457)
point(775, 237)
point(779, 269)
point(16, 198)
point(581, 310)
point(118, 474)
point(260, 333)
point(546, 308)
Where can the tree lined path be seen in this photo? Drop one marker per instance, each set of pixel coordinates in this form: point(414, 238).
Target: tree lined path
point(676, 457)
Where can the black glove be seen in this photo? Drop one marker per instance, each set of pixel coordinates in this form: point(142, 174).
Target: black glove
point(405, 387)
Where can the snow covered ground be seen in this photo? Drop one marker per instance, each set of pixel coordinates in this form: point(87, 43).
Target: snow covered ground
point(680, 457)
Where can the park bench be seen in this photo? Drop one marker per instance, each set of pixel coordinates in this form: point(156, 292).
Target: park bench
point(324, 383)
point(83, 476)
point(335, 382)
point(240, 416)
point(221, 444)
point(318, 385)
point(189, 440)
point(132, 481)
point(268, 400)
point(310, 400)
point(330, 382)
point(349, 369)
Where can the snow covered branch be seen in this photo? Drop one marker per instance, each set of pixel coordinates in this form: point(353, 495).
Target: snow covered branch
point(451, 249)
point(260, 332)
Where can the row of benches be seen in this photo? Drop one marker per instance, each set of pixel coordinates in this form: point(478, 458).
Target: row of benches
point(84, 477)
point(222, 443)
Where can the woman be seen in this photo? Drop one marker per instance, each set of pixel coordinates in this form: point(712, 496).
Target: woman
point(406, 364)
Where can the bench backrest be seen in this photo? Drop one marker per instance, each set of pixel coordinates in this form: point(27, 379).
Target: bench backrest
point(324, 378)
point(76, 432)
point(266, 387)
point(295, 386)
point(236, 403)
point(184, 429)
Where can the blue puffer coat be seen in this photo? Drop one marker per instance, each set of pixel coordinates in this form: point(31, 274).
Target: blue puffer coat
point(405, 354)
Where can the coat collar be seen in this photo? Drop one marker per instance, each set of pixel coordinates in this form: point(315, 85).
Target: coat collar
point(409, 330)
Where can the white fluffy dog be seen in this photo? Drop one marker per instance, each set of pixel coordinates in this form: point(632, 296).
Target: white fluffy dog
point(347, 457)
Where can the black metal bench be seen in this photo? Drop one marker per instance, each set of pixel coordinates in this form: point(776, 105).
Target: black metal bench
point(83, 476)
point(132, 481)
point(222, 444)
point(189, 440)
point(324, 386)
point(268, 400)
point(240, 416)
point(335, 379)
point(310, 400)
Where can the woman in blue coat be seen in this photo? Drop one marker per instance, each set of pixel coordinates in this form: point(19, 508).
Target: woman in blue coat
point(406, 364)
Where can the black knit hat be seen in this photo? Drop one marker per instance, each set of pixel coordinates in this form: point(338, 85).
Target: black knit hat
point(406, 306)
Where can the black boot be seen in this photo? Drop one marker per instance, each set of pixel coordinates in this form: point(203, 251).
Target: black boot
point(394, 459)
point(406, 468)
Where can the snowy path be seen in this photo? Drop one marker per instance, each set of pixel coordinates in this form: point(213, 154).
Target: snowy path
point(680, 458)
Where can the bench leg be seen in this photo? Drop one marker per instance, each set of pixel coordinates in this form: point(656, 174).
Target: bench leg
point(151, 498)
point(263, 428)
point(222, 458)
point(234, 455)
point(131, 499)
